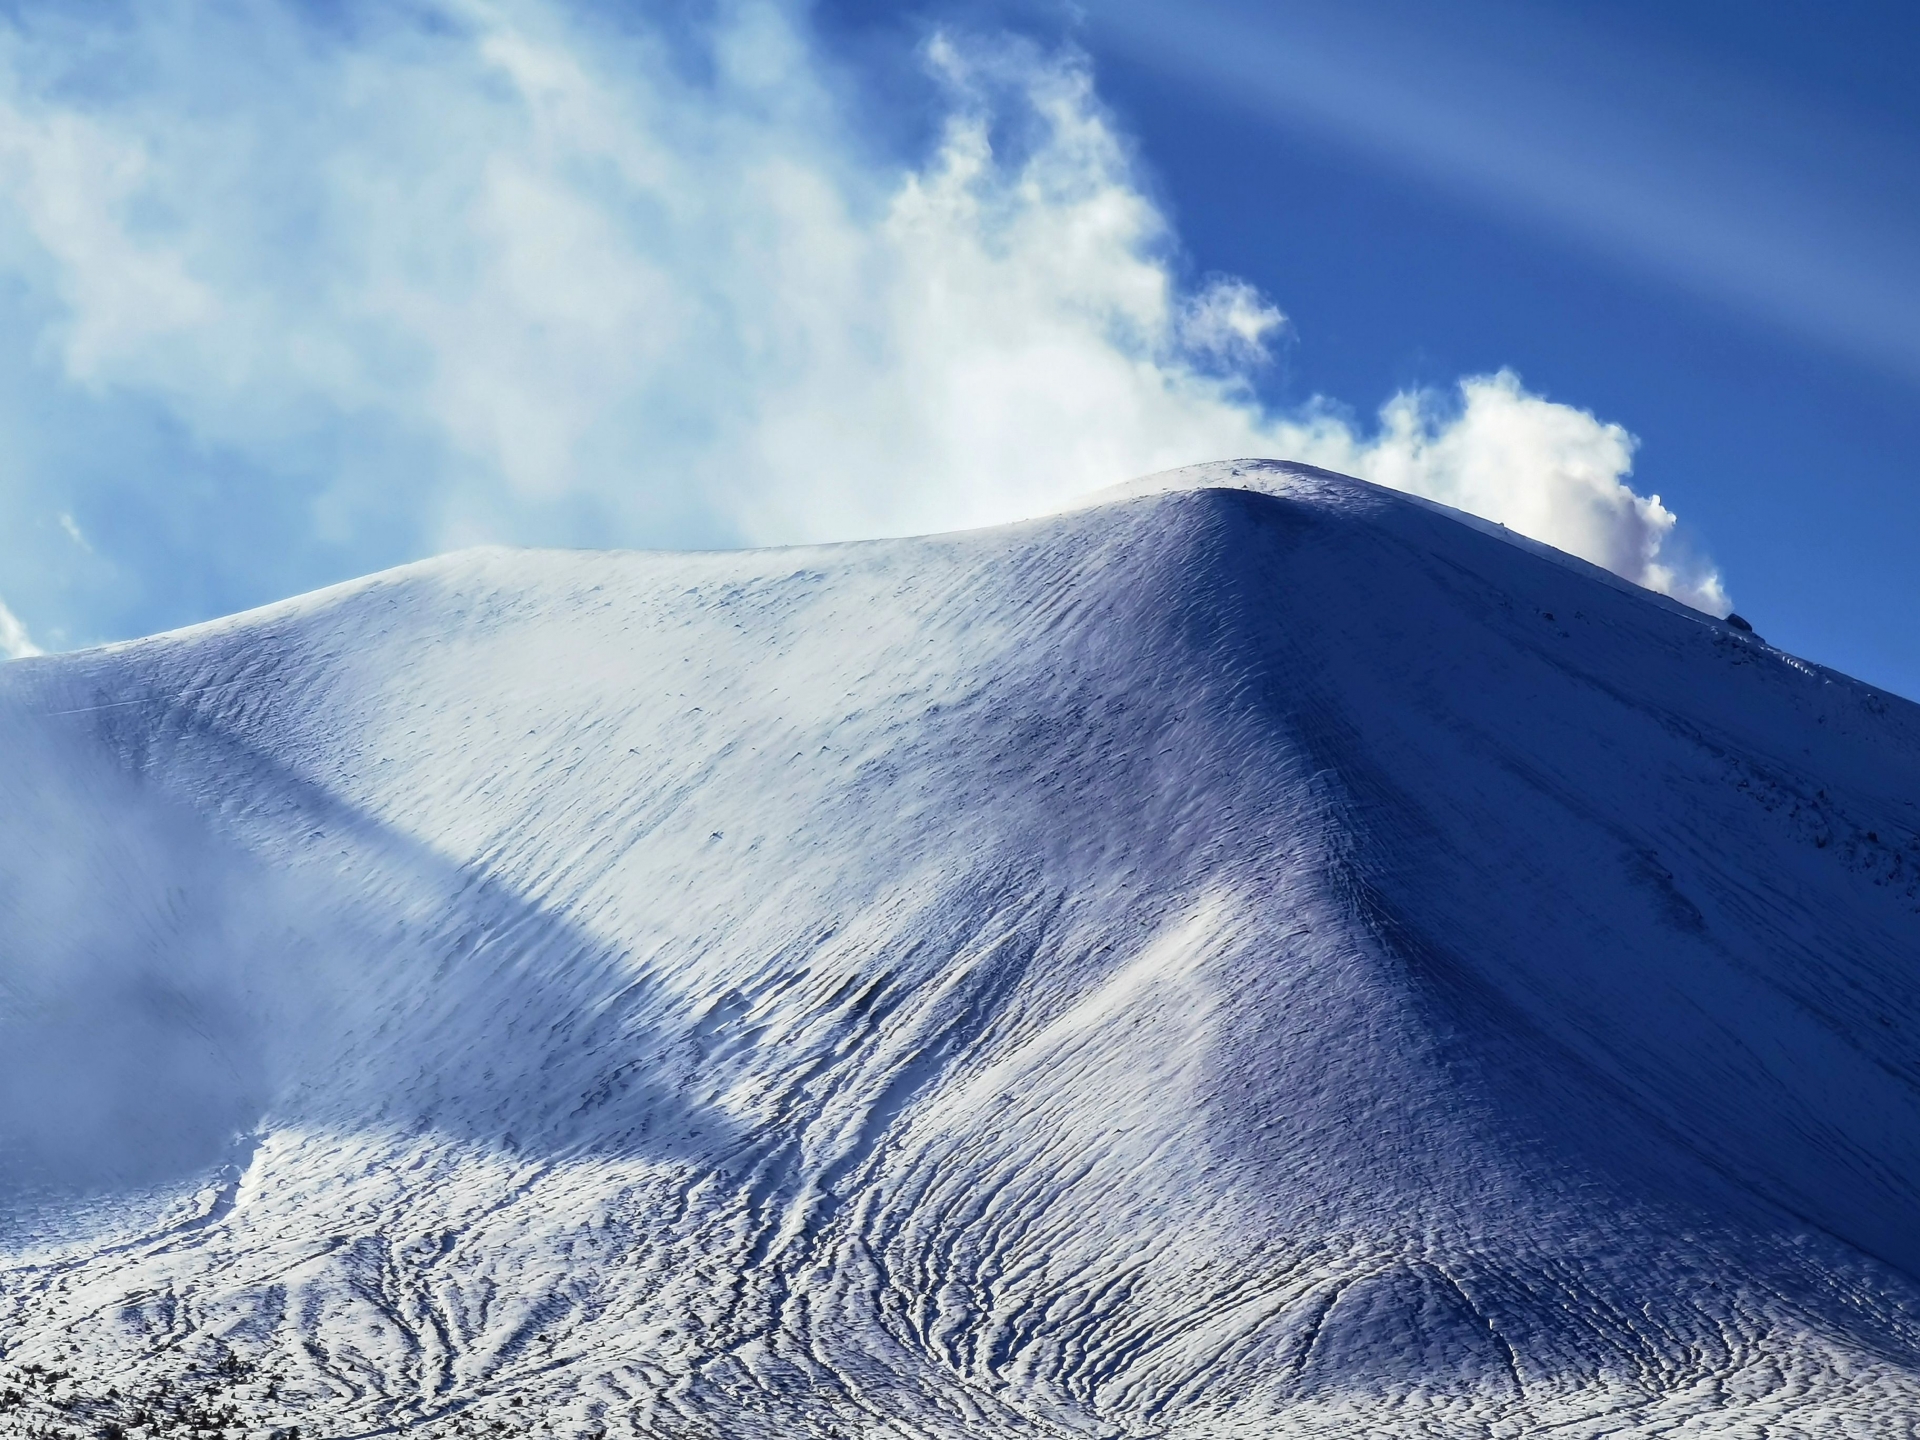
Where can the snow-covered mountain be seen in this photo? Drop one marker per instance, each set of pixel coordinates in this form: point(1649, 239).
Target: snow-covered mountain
point(1256, 956)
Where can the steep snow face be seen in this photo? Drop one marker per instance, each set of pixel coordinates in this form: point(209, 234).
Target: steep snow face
point(1257, 956)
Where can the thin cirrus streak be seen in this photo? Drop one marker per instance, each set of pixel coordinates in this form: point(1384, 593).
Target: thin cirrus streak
point(1801, 218)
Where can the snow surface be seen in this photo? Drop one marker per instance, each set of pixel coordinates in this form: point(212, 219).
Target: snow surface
point(1257, 956)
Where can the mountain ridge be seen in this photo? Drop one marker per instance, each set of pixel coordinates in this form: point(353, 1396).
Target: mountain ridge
point(1215, 963)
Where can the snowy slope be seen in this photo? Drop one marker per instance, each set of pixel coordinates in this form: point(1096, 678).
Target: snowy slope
point(1257, 956)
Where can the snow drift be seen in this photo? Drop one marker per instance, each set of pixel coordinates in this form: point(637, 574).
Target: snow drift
point(1258, 955)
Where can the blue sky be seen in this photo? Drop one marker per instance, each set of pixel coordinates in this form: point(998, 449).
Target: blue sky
point(289, 292)
point(1774, 391)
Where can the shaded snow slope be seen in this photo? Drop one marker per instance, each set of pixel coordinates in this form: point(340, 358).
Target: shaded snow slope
point(1258, 958)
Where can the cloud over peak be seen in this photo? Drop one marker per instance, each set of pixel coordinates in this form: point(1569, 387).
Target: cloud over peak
point(462, 272)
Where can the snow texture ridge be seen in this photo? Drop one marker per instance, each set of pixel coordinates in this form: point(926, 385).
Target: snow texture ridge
point(1256, 956)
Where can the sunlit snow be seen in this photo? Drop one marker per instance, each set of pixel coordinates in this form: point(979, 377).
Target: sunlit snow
point(1258, 955)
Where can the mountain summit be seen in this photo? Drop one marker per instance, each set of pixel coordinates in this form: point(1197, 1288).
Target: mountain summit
point(1259, 955)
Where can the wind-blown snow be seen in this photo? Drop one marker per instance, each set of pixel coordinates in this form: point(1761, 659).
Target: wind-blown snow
point(1256, 956)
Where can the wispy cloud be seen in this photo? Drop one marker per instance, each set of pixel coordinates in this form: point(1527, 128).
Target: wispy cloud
point(473, 271)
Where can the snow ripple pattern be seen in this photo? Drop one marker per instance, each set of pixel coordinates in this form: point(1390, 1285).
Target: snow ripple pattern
point(1256, 956)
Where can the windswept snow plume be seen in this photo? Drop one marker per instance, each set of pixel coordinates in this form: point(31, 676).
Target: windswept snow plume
point(1549, 471)
point(389, 278)
point(14, 639)
point(120, 1064)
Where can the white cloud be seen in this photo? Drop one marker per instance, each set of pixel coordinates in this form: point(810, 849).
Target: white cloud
point(73, 182)
point(558, 284)
point(1232, 320)
point(1549, 471)
point(15, 643)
